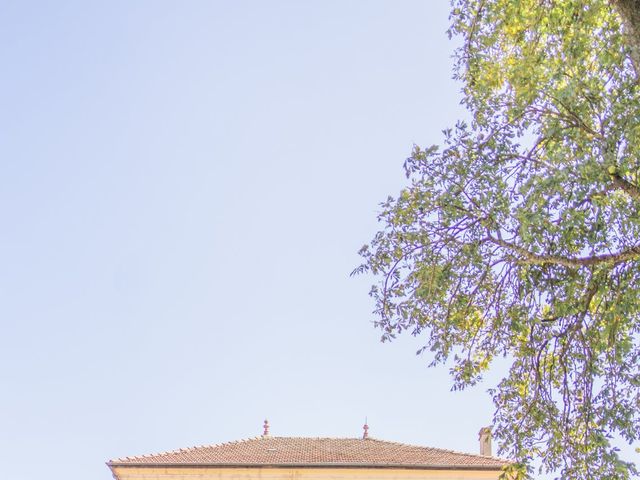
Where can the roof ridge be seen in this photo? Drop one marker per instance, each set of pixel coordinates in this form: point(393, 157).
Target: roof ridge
point(319, 438)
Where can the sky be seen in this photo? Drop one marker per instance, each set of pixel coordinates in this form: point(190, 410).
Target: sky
point(184, 187)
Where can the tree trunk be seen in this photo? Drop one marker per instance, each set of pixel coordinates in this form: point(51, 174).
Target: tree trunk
point(629, 10)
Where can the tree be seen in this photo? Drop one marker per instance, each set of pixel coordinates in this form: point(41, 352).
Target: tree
point(519, 237)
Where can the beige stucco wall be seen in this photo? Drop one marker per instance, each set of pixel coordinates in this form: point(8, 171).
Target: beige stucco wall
point(269, 473)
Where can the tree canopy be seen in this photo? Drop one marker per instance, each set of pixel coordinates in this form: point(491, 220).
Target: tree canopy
point(519, 236)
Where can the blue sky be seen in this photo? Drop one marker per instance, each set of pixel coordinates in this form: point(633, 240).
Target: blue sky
point(183, 190)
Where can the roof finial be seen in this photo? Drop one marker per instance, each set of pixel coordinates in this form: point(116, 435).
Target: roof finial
point(266, 428)
point(366, 429)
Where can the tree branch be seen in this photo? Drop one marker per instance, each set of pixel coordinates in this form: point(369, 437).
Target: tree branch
point(626, 186)
point(529, 258)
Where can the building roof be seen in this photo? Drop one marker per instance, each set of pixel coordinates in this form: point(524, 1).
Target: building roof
point(315, 452)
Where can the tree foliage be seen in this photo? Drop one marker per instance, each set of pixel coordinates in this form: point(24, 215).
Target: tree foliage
point(519, 236)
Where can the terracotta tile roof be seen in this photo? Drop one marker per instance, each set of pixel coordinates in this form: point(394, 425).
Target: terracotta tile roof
point(310, 452)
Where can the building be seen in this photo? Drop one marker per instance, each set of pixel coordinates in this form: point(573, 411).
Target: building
point(298, 458)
